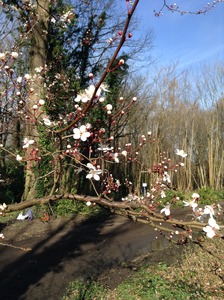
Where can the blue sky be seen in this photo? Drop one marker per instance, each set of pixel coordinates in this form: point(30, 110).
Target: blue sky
point(189, 39)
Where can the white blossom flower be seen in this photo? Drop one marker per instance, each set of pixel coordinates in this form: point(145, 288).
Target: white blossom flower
point(41, 102)
point(19, 158)
point(93, 173)
point(211, 228)
point(66, 17)
point(2, 56)
point(27, 77)
point(193, 204)
point(53, 20)
point(81, 133)
point(181, 153)
point(105, 148)
point(2, 236)
point(116, 159)
point(208, 210)
point(88, 203)
point(14, 55)
point(203, 214)
point(38, 69)
point(195, 196)
point(166, 177)
point(86, 95)
point(82, 98)
point(19, 79)
point(3, 206)
point(47, 122)
point(166, 210)
point(163, 195)
point(103, 86)
point(101, 99)
point(27, 142)
point(109, 107)
point(124, 153)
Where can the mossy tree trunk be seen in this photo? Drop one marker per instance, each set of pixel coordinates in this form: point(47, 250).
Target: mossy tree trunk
point(38, 53)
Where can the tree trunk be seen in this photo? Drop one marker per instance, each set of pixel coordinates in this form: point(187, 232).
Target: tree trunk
point(38, 52)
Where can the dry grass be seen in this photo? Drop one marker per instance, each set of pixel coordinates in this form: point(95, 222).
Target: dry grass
point(202, 267)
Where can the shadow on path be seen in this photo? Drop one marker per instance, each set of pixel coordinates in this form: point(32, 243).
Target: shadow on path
point(70, 252)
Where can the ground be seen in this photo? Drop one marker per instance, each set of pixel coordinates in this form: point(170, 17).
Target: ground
point(38, 259)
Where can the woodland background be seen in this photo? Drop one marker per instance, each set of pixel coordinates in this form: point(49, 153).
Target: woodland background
point(182, 109)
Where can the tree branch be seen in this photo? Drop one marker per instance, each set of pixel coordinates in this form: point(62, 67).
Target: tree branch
point(107, 69)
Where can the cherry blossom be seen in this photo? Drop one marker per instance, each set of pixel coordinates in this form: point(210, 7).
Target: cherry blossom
point(192, 203)
point(2, 56)
point(41, 102)
point(211, 228)
point(166, 177)
point(38, 69)
point(208, 210)
point(166, 210)
point(3, 207)
point(163, 195)
point(19, 79)
point(14, 55)
point(86, 95)
point(116, 159)
point(181, 153)
point(19, 158)
point(27, 143)
point(81, 133)
point(93, 173)
point(124, 153)
point(109, 107)
point(47, 122)
point(195, 196)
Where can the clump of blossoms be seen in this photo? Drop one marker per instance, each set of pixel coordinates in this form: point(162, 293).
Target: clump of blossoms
point(85, 96)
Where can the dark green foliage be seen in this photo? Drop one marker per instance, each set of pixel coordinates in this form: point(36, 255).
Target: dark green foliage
point(12, 185)
point(73, 50)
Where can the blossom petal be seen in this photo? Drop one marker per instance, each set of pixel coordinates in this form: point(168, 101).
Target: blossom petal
point(96, 176)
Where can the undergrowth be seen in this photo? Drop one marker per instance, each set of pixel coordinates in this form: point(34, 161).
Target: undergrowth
point(199, 275)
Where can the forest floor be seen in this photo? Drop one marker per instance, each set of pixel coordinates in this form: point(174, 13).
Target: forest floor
point(39, 259)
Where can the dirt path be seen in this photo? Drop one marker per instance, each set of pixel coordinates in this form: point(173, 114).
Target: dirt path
point(63, 250)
